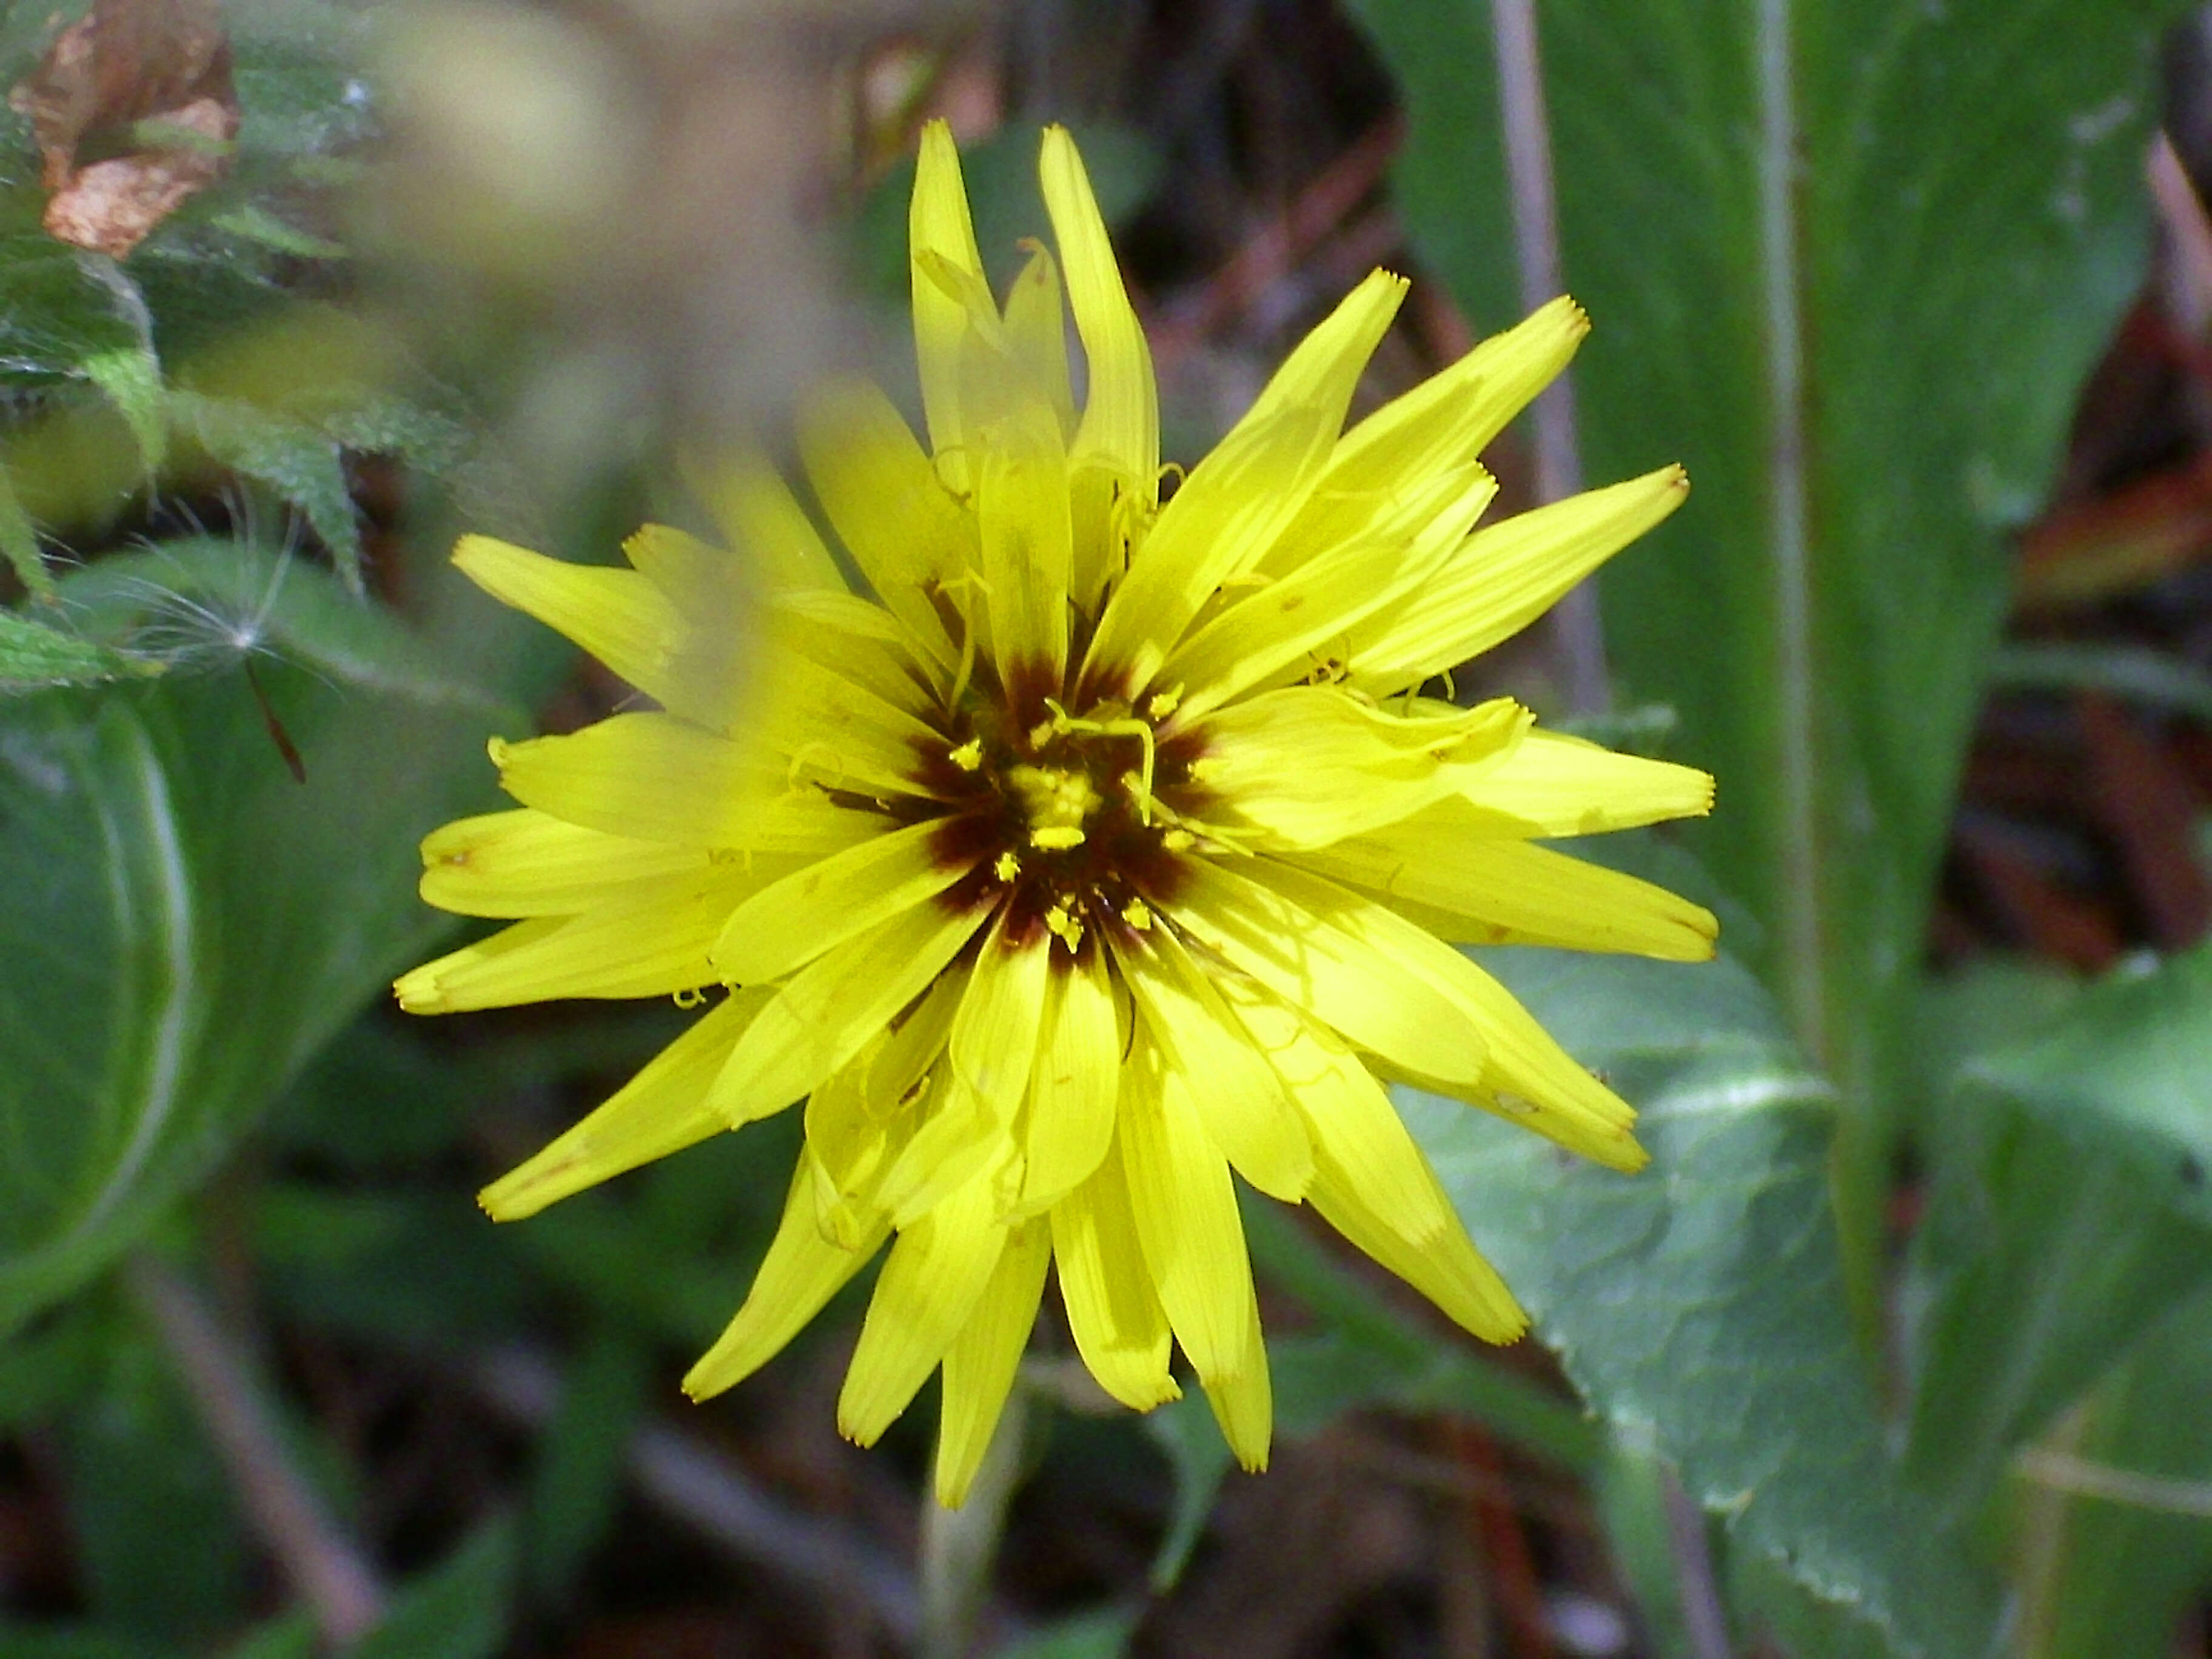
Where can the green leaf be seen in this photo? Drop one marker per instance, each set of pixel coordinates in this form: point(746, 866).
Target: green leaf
point(130, 377)
point(19, 1640)
point(2071, 1208)
point(304, 464)
point(457, 1610)
point(577, 1483)
point(190, 925)
point(1850, 265)
point(159, 1539)
point(1698, 1305)
point(2125, 1568)
point(19, 542)
point(288, 1636)
point(1102, 1633)
point(34, 656)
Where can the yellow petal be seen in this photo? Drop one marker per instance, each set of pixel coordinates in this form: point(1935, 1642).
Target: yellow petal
point(995, 1034)
point(886, 500)
point(1309, 765)
point(654, 777)
point(861, 1119)
point(1341, 958)
point(939, 229)
point(788, 923)
point(660, 1111)
point(826, 1012)
point(651, 941)
point(1243, 1404)
point(1447, 418)
point(763, 521)
point(802, 1271)
point(980, 1365)
point(707, 674)
point(846, 735)
point(858, 640)
point(1504, 578)
point(1238, 498)
point(1213, 1067)
point(1439, 869)
point(1305, 616)
point(1021, 508)
point(1371, 1181)
point(1187, 1223)
point(526, 864)
point(1036, 333)
point(1121, 427)
point(1070, 1118)
point(1113, 1311)
point(1553, 784)
point(961, 1138)
point(1532, 1081)
point(930, 1283)
point(618, 616)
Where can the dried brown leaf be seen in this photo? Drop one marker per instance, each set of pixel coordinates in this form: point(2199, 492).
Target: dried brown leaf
point(144, 87)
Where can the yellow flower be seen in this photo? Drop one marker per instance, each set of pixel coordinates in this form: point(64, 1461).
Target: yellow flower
point(1108, 848)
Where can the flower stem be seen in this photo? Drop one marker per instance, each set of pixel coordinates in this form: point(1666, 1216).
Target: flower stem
point(959, 1546)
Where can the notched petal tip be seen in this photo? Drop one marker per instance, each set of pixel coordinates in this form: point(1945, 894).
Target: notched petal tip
point(419, 991)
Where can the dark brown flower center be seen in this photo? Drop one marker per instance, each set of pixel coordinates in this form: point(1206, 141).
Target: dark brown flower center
point(1072, 818)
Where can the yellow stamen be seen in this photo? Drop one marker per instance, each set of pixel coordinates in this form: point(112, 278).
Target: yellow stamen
point(1138, 914)
point(1006, 866)
point(969, 757)
point(1068, 725)
point(1064, 927)
point(1056, 837)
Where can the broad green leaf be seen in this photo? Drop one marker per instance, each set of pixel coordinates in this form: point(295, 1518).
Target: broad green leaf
point(2112, 1576)
point(188, 925)
point(1698, 1305)
point(1849, 265)
point(2068, 1212)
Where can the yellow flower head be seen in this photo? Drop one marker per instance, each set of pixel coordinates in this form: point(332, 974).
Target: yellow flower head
point(1108, 846)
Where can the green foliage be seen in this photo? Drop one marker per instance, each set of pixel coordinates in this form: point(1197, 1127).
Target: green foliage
point(2116, 1574)
point(1849, 265)
point(157, 1524)
point(457, 1610)
point(2069, 1216)
point(203, 923)
point(1700, 1303)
